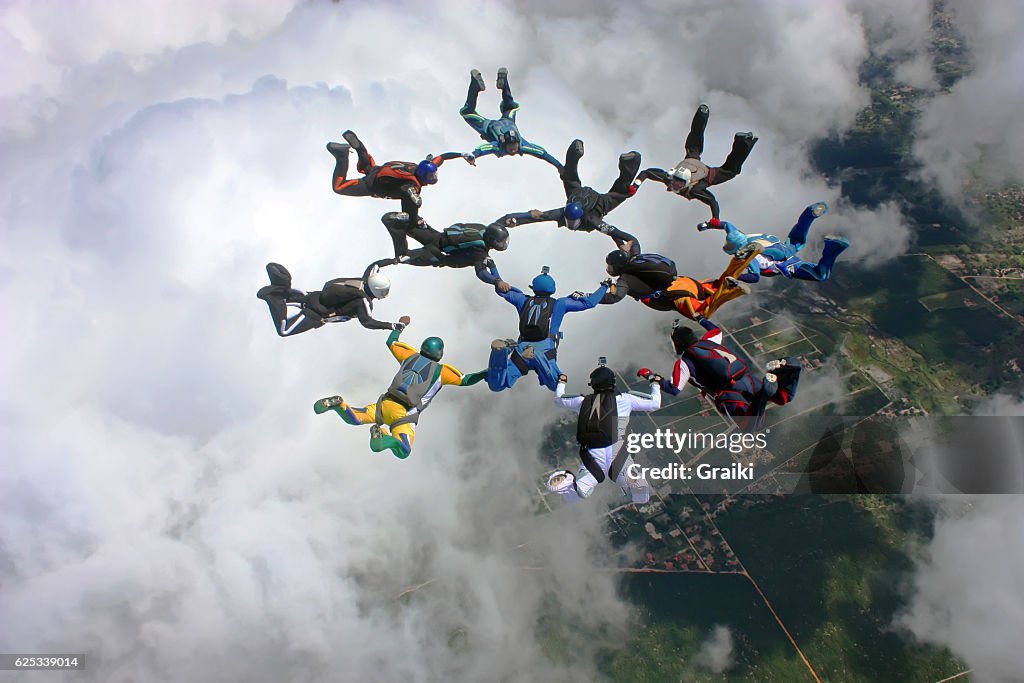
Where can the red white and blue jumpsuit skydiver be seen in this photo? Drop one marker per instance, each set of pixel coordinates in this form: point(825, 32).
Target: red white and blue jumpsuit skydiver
point(501, 136)
point(602, 423)
point(540, 317)
point(778, 257)
point(722, 376)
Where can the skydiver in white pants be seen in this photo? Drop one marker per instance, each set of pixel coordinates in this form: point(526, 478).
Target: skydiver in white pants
point(603, 420)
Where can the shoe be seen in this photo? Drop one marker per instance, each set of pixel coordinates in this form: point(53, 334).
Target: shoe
point(279, 275)
point(577, 147)
point(745, 251)
point(376, 433)
point(838, 239)
point(528, 353)
point(557, 480)
point(325, 404)
point(703, 109)
point(819, 209)
point(733, 283)
point(502, 78)
point(351, 139)
point(475, 76)
point(499, 344)
point(771, 378)
point(338, 150)
point(749, 137)
point(774, 365)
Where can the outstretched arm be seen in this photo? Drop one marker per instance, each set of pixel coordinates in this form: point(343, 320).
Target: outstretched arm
point(616, 292)
point(441, 158)
point(367, 320)
point(573, 305)
point(568, 402)
point(485, 149)
point(658, 175)
point(702, 194)
point(539, 152)
point(487, 272)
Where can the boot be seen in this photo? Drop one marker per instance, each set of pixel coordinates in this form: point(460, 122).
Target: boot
point(279, 275)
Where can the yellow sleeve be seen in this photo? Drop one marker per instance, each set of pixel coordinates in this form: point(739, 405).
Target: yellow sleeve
point(401, 350)
point(450, 375)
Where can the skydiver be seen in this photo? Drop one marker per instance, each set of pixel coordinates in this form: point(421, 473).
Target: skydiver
point(340, 300)
point(778, 257)
point(458, 246)
point(501, 136)
point(585, 207)
point(393, 417)
point(691, 177)
point(600, 427)
point(540, 318)
point(401, 180)
point(721, 375)
point(652, 280)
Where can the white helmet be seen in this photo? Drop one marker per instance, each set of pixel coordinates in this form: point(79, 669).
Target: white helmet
point(379, 285)
point(681, 173)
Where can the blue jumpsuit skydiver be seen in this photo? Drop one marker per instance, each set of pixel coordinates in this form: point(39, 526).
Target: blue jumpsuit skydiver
point(501, 136)
point(778, 257)
point(540, 317)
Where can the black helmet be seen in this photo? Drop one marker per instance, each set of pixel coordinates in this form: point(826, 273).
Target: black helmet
point(683, 337)
point(602, 379)
point(616, 262)
point(496, 237)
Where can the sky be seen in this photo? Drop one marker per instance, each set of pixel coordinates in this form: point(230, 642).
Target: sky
point(166, 488)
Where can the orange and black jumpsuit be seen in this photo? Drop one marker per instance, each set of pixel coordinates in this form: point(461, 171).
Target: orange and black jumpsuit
point(391, 180)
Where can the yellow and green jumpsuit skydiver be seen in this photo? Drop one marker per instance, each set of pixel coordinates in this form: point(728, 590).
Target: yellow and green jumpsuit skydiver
point(394, 415)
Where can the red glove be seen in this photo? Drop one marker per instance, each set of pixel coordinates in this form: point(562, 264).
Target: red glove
point(643, 373)
point(714, 222)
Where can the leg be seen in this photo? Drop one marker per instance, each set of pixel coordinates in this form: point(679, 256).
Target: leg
point(352, 416)
point(629, 165)
point(399, 440)
point(544, 362)
point(397, 225)
point(476, 86)
point(508, 104)
point(742, 143)
point(357, 187)
point(289, 315)
point(695, 140)
point(570, 172)
point(798, 233)
point(636, 489)
point(834, 246)
point(501, 374)
point(340, 154)
point(363, 159)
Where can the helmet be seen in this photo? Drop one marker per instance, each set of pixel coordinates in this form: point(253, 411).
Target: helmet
point(602, 379)
point(616, 261)
point(683, 337)
point(733, 241)
point(432, 348)
point(573, 214)
point(496, 237)
point(378, 285)
point(426, 172)
point(681, 173)
point(543, 284)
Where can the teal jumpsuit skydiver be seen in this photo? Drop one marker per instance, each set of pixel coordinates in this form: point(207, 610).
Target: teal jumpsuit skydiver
point(778, 257)
point(540, 317)
point(501, 136)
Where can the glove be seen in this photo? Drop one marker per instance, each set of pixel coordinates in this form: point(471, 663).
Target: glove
point(535, 213)
point(649, 375)
point(469, 158)
point(502, 286)
point(605, 228)
point(607, 283)
point(402, 322)
point(701, 227)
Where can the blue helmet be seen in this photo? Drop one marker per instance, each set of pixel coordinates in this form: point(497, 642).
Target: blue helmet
point(573, 211)
point(733, 241)
point(426, 172)
point(543, 284)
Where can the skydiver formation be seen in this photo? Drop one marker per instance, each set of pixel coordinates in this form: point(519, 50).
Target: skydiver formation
point(720, 374)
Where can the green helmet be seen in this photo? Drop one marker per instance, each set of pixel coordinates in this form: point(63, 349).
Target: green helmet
point(432, 348)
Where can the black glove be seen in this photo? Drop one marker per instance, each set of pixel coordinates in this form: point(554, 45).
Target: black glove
point(607, 283)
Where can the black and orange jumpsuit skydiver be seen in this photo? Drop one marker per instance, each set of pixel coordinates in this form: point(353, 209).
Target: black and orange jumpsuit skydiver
point(651, 279)
point(391, 180)
point(723, 376)
point(394, 415)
